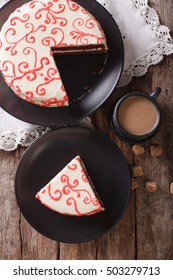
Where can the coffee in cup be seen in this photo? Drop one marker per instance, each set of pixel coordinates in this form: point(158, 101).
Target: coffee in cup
point(136, 116)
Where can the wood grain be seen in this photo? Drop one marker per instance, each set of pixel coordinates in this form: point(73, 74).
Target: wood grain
point(154, 212)
point(10, 245)
point(145, 231)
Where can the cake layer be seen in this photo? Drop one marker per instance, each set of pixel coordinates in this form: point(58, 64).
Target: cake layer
point(76, 50)
point(26, 40)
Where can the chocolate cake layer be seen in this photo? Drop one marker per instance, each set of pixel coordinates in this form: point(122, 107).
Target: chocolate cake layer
point(75, 50)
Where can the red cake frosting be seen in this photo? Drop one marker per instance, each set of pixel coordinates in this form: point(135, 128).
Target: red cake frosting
point(26, 38)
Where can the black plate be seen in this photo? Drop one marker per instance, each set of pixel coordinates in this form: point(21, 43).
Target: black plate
point(108, 170)
point(100, 85)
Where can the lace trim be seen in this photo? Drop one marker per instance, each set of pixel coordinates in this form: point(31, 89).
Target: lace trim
point(25, 137)
point(10, 141)
point(154, 55)
point(140, 67)
point(152, 19)
point(164, 46)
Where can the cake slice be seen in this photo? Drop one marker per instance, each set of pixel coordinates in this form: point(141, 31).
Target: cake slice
point(71, 191)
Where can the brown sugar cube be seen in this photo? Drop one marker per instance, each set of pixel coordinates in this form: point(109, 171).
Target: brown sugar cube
point(134, 184)
point(137, 171)
point(151, 187)
point(171, 188)
point(138, 150)
point(155, 150)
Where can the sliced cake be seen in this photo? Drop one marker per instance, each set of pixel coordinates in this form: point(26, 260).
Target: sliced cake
point(71, 191)
point(31, 34)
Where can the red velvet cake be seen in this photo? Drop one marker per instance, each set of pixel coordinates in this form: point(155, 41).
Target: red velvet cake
point(26, 42)
point(71, 191)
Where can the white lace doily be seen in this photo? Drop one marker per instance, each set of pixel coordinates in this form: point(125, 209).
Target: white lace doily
point(146, 41)
point(14, 132)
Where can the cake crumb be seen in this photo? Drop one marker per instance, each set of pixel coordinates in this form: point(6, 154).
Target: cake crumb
point(155, 150)
point(151, 187)
point(138, 150)
point(134, 183)
point(171, 188)
point(137, 171)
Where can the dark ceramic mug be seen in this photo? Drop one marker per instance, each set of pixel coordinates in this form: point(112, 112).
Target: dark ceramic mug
point(148, 100)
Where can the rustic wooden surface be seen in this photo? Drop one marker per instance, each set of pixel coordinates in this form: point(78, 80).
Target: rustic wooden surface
point(146, 229)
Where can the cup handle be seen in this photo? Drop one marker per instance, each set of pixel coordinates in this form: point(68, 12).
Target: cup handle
point(156, 92)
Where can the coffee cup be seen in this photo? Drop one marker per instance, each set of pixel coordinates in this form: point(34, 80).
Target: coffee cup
point(136, 117)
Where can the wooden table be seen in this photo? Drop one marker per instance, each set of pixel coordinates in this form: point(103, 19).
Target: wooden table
point(146, 229)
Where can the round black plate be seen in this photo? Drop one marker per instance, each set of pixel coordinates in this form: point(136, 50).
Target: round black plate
point(106, 166)
point(99, 91)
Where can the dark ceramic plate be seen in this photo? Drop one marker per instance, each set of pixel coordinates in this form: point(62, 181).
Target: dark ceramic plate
point(94, 88)
point(108, 170)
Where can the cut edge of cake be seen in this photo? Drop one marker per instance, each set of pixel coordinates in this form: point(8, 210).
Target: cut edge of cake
point(80, 49)
point(91, 183)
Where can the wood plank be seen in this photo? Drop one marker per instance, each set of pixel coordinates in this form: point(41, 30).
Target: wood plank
point(82, 251)
point(18, 240)
point(10, 243)
point(35, 246)
point(155, 210)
